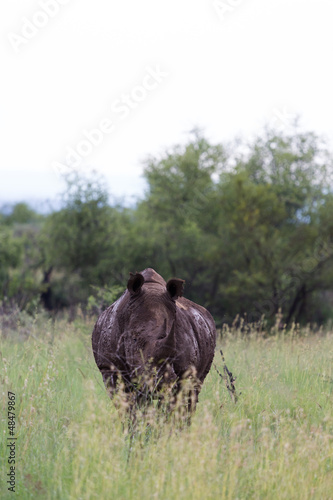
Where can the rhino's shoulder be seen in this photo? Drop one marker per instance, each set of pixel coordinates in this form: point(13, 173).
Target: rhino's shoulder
point(108, 317)
point(191, 309)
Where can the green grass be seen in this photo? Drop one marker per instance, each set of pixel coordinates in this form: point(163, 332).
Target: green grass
point(275, 443)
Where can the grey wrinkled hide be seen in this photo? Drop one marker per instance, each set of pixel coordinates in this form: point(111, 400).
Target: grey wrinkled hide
point(152, 327)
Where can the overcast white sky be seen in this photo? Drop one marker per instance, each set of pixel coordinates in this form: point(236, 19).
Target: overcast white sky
point(146, 73)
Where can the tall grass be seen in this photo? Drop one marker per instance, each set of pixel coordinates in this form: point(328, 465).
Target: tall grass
point(275, 443)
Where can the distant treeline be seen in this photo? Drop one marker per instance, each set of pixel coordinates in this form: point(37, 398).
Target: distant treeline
point(248, 226)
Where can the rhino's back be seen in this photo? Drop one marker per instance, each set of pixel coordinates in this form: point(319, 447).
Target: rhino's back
point(107, 331)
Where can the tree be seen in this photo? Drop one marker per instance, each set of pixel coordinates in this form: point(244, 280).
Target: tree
point(86, 241)
point(21, 213)
point(178, 208)
point(20, 257)
point(248, 226)
point(269, 215)
point(241, 226)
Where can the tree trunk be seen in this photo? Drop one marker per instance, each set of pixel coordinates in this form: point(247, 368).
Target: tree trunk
point(300, 295)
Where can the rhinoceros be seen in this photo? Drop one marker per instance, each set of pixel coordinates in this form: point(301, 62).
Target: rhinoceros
point(152, 327)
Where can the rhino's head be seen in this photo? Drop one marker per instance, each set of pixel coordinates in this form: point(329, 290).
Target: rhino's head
point(149, 326)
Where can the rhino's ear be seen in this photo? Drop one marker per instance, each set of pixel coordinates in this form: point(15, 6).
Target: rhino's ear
point(175, 288)
point(135, 283)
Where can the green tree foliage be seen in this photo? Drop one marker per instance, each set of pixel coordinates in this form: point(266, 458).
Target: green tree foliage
point(20, 256)
point(248, 242)
point(248, 226)
point(21, 213)
point(178, 209)
point(10, 257)
point(269, 206)
point(78, 234)
point(85, 243)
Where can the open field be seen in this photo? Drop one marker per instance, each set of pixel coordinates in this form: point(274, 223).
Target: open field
point(275, 443)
